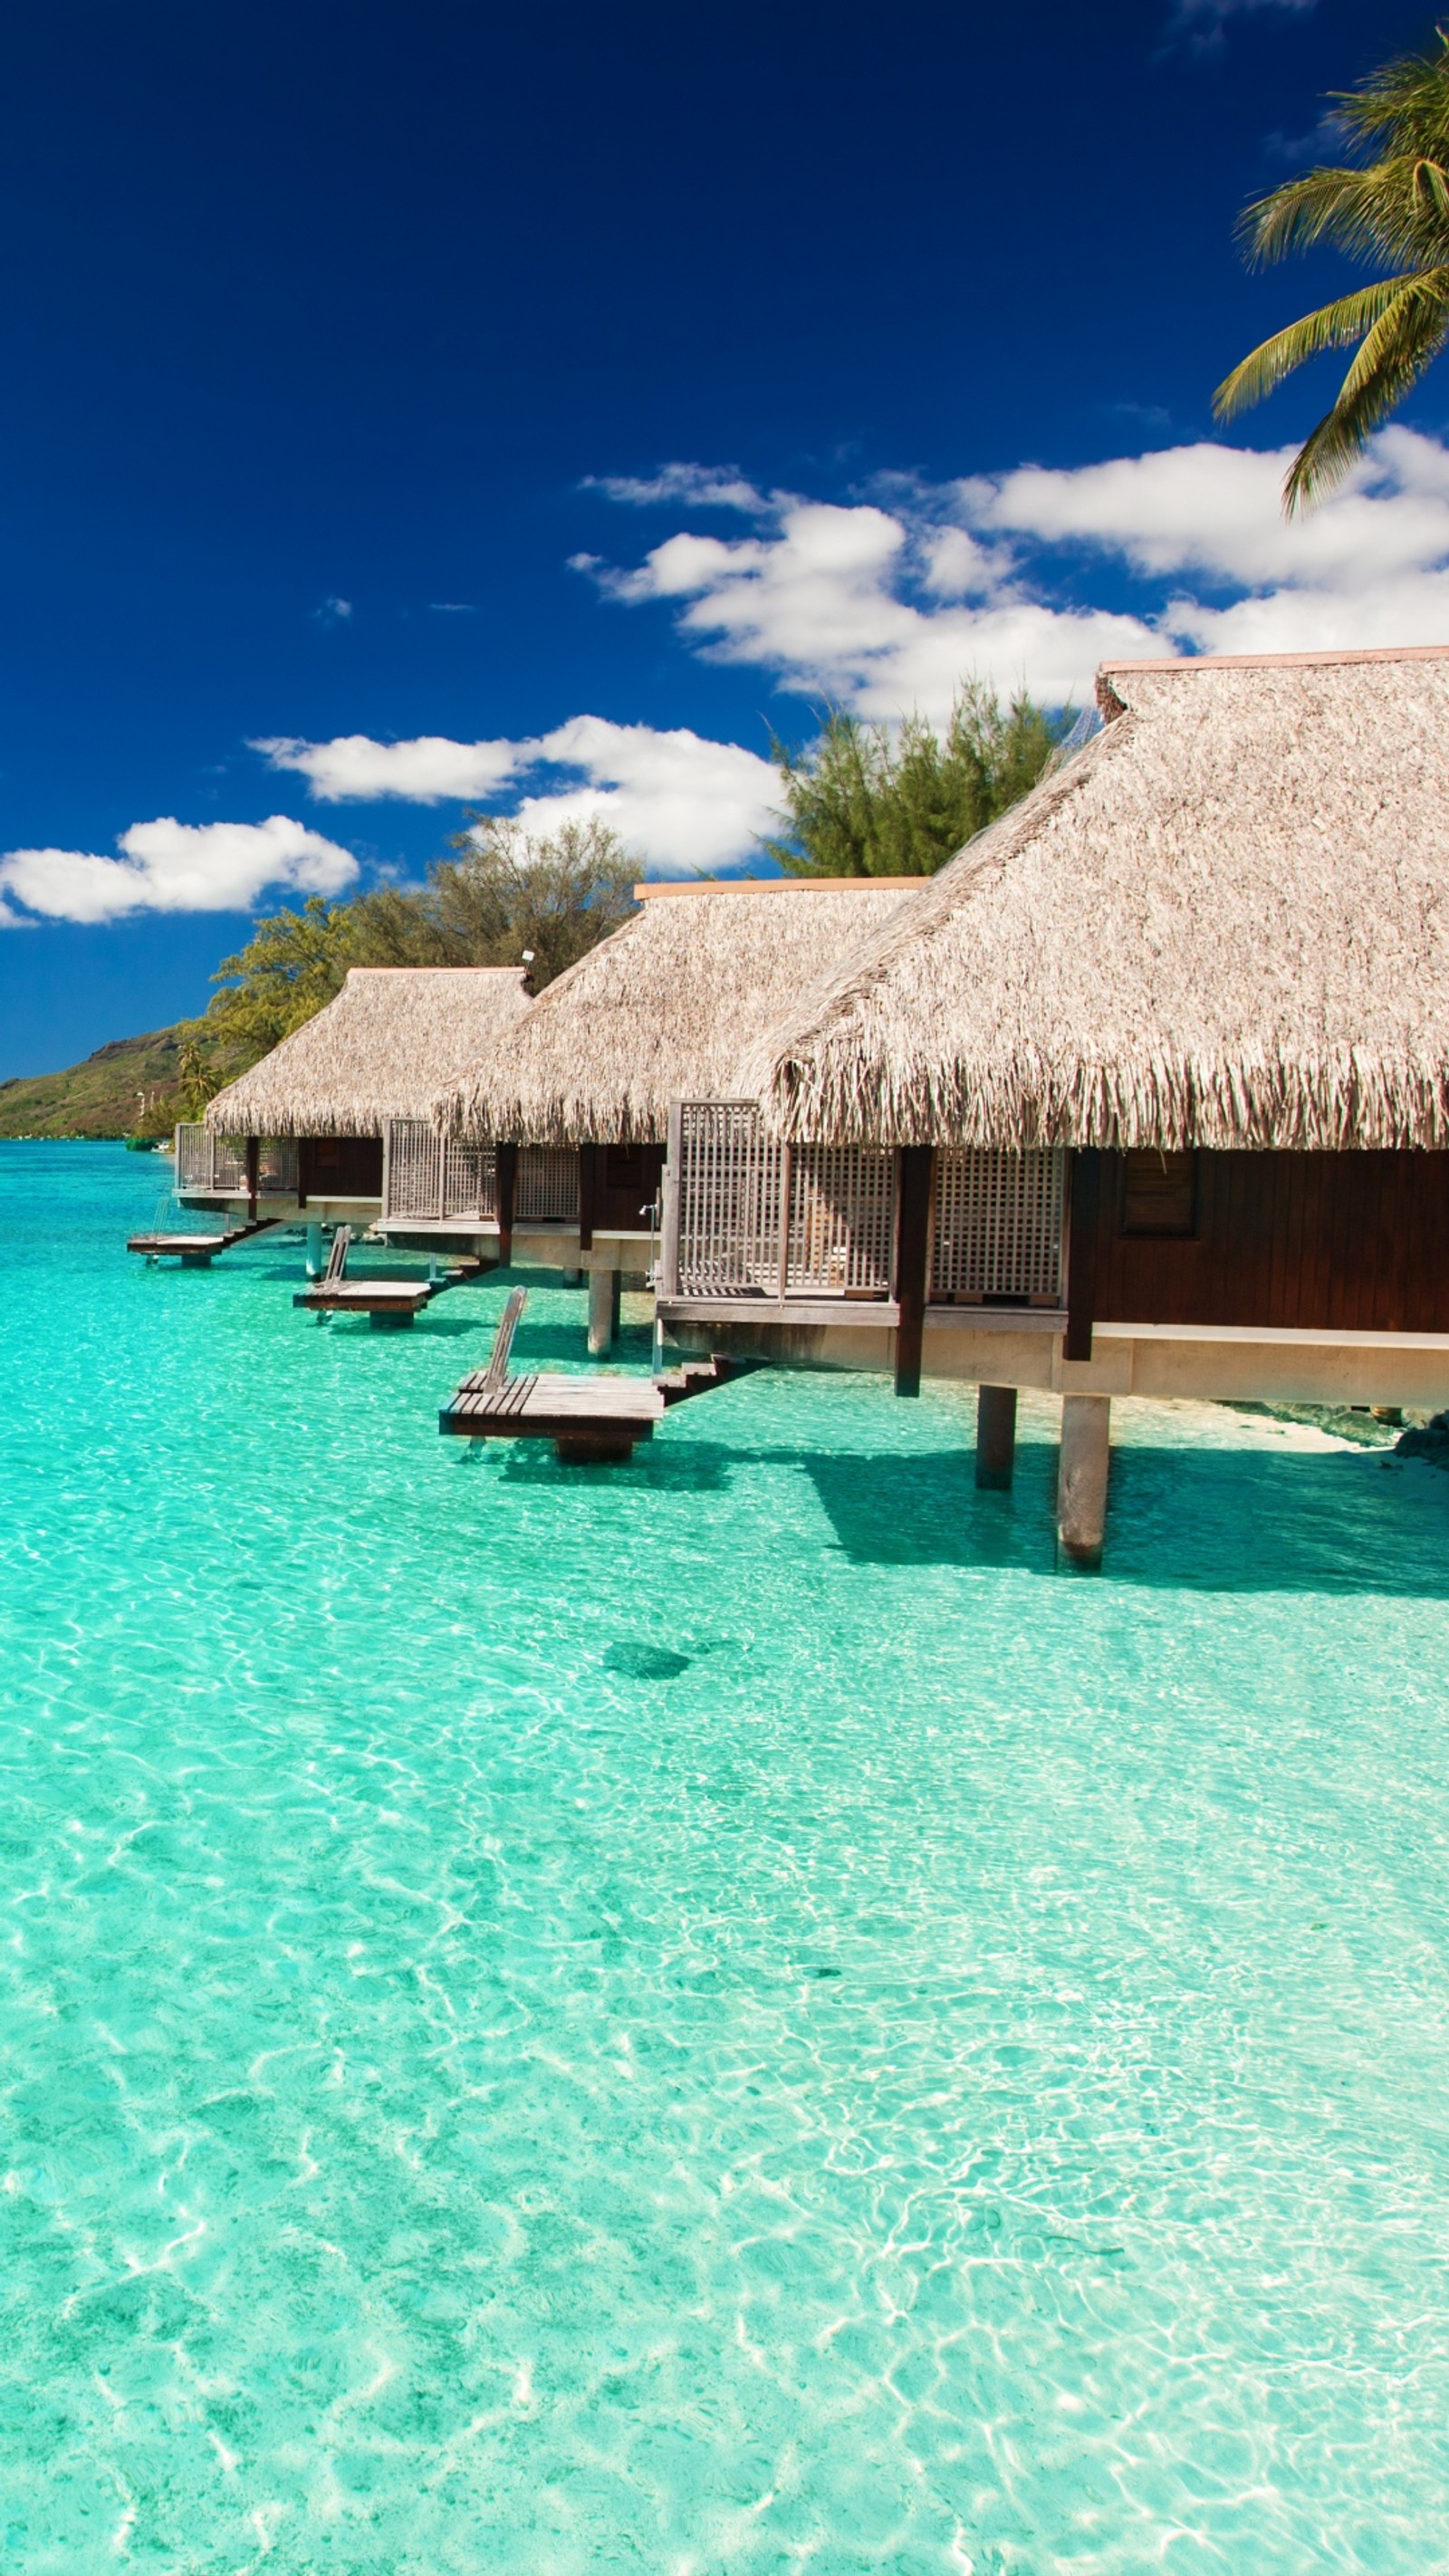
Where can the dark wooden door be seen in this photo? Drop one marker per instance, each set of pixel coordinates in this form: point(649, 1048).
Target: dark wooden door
point(627, 1180)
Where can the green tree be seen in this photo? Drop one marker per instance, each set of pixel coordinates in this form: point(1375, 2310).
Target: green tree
point(863, 801)
point(291, 965)
point(197, 1080)
point(508, 894)
point(1389, 208)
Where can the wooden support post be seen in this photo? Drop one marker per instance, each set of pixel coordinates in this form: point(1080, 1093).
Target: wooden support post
point(304, 1170)
point(506, 1168)
point(1082, 1252)
point(590, 1159)
point(254, 1156)
point(669, 1214)
point(995, 1438)
point(316, 1263)
point(603, 1311)
point(913, 1234)
point(1082, 1480)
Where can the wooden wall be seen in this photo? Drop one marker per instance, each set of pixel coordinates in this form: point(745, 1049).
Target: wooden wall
point(1355, 1242)
point(616, 1183)
point(340, 1167)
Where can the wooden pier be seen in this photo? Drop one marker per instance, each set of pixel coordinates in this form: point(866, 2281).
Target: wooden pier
point(385, 1302)
point(590, 1420)
point(594, 1420)
point(198, 1251)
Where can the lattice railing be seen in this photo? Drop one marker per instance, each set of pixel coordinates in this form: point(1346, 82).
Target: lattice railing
point(426, 1180)
point(412, 1170)
point(752, 1217)
point(216, 1166)
point(193, 1157)
point(998, 1226)
point(842, 1219)
point(757, 1218)
point(546, 1186)
point(470, 1181)
point(277, 1167)
point(729, 1186)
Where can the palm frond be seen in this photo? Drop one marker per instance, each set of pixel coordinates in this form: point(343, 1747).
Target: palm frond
point(1333, 326)
point(1397, 213)
point(1404, 100)
point(1393, 358)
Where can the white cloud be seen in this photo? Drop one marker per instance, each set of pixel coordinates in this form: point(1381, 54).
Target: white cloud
point(886, 608)
point(424, 771)
point(1032, 576)
point(844, 601)
point(705, 487)
point(168, 866)
point(681, 801)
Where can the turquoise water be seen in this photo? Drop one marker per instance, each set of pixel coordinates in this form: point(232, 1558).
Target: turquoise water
point(716, 2016)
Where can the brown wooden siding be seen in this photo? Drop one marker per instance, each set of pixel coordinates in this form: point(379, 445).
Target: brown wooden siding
point(339, 1167)
point(1349, 1242)
point(629, 1180)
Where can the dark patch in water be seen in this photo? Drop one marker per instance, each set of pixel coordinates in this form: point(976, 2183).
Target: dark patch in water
point(645, 1663)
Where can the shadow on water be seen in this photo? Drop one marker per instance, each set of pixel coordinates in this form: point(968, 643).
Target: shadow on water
point(1212, 1520)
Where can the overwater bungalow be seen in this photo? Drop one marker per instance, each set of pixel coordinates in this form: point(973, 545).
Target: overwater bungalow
point(302, 1134)
point(1147, 1092)
point(567, 1119)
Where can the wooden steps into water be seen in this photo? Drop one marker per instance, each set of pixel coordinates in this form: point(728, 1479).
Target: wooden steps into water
point(590, 1420)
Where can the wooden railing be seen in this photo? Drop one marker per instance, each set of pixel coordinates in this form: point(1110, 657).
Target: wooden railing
point(746, 1216)
point(754, 1218)
point(427, 1178)
point(431, 1180)
point(546, 1187)
point(996, 1234)
point(212, 1166)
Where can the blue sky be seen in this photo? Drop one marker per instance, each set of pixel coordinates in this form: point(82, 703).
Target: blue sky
point(535, 408)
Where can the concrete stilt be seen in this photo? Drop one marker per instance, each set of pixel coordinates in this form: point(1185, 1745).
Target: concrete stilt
point(603, 1311)
point(1082, 1482)
point(995, 1437)
point(316, 1258)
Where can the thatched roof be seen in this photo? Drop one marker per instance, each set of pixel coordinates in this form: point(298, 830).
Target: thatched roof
point(1224, 922)
point(661, 1010)
point(381, 1050)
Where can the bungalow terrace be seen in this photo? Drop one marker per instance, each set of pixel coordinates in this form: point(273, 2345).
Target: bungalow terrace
point(1147, 1092)
point(582, 1086)
point(302, 1133)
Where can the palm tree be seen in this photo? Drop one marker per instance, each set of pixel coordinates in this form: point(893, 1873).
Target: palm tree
point(1391, 210)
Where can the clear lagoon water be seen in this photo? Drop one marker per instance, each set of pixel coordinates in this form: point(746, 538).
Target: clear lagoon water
point(724, 2015)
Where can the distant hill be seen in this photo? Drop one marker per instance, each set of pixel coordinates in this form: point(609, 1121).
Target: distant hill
point(127, 1088)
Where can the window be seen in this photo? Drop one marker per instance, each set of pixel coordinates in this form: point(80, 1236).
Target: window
point(1159, 1193)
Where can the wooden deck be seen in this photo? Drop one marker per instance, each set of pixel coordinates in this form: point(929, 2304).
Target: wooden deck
point(588, 1419)
point(198, 1251)
point(384, 1301)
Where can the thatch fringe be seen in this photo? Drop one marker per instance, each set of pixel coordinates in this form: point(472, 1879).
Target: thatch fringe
point(1224, 923)
point(661, 1010)
point(381, 1050)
